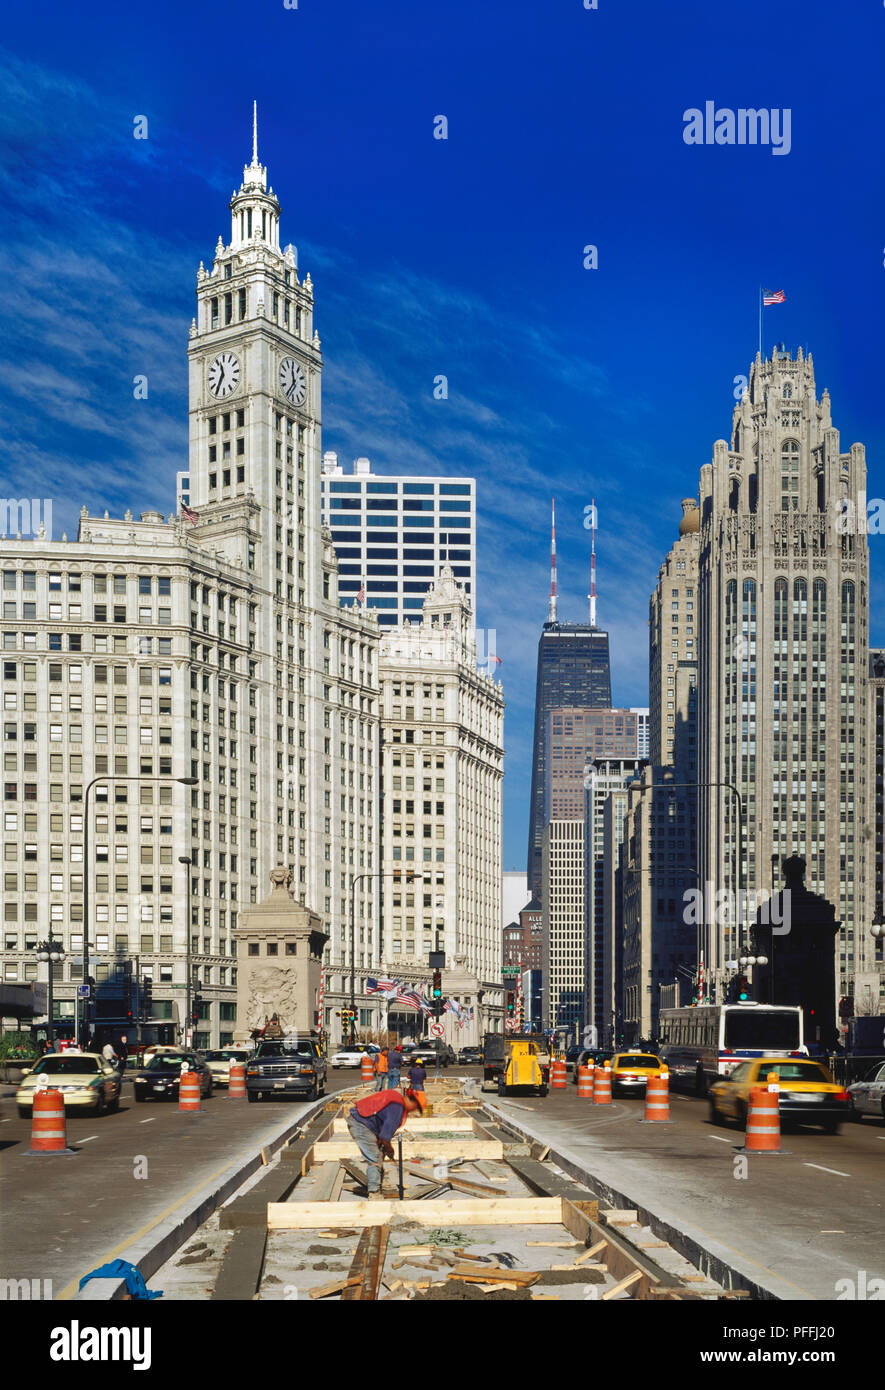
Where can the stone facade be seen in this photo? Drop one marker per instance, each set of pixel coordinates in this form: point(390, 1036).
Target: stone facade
point(279, 956)
point(782, 681)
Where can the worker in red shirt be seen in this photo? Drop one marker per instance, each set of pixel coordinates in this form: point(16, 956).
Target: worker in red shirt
point(374, 1121)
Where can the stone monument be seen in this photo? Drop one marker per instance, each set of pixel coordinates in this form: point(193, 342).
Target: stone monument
point(279, 957)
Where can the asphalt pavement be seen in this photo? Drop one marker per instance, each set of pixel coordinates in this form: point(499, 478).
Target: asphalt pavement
point(61, 1216)
point(807, 1223)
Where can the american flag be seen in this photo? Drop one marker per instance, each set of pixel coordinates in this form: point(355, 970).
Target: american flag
point(191, 516)
point(374, 986)
point(773, 297)
point(409, 996)
point(362, 594)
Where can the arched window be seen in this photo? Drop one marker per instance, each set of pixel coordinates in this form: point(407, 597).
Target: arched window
point(788, 390)
point(790, 475)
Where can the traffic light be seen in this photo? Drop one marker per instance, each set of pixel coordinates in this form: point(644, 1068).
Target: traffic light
point(196, 1006)
point(739, 990)
point(511, 1003)
point(147, 998)
point(437, 984)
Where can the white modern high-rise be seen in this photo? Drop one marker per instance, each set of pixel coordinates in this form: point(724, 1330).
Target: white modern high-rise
point(394, 534)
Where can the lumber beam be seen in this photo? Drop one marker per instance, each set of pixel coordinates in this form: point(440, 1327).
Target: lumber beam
point(463, 1211)
point(368, 1264)
point(413, 1146)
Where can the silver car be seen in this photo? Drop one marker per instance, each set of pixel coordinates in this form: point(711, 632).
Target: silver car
point(868, 1096)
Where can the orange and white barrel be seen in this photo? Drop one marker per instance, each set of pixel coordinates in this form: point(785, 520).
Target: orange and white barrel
point(585, 1083)
point(48, 1131)
point(657, 1097)
point(189, 1092)
point(763, 1133)
point(367, 1069)
point(602, 1086)
point(558, 1074)
point(236, 1088)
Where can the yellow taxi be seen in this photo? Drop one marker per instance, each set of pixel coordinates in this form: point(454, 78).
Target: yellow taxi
point(808, 1094)
point(631, 1070)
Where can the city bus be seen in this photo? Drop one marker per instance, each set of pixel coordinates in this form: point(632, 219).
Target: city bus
point(702, 1043)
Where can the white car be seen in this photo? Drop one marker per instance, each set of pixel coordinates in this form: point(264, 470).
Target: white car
point(868, 1096)
point(353, 1056)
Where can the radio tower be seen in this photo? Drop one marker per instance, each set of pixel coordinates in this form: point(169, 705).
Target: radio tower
point(592, 594)
point(552, 615)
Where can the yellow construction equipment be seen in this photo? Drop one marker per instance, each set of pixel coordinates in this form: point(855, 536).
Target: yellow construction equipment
point(522, 1069)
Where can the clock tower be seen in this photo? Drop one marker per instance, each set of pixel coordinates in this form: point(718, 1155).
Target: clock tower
point(255, 461)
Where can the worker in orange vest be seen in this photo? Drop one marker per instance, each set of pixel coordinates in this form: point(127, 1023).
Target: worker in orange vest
point(381, 1070)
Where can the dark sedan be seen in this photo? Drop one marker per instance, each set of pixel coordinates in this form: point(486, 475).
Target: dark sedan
point(159, 1079)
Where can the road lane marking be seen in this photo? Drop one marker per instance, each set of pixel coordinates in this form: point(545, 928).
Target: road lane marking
point(828, 1170)
point(86, 1141)
point(719, 1138)
point(148, 1122)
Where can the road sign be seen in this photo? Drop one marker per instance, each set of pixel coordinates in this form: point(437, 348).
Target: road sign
point(82, 991)
point(436, 1030)
point(509, 970)
point(511, 1024)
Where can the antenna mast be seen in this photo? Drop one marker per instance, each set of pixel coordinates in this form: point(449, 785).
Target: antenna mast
point(592, 594)
point(552, 615)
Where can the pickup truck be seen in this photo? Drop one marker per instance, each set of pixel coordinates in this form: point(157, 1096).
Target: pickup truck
point(292, 1065)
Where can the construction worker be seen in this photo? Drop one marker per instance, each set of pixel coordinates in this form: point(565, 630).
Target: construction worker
point(417, 1075)
point(374, 1121)
point(394, 1067)
point(381, 1070)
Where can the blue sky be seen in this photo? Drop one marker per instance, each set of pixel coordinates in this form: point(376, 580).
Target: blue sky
point(462, 257)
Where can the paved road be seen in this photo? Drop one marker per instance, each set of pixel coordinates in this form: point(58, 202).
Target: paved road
point(62, 1216)
point(799, 1222)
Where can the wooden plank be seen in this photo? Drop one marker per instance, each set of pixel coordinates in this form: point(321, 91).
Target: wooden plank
point(327, 1176)
point(418, 1124)
point(557, 1244)
point(414, 1146)
point(368, 1264)
point(334, 1286)
point(496, 1211)
point(335, 1194)
point(622, 1217)
point(462, 1184)
point(496, 1278)
point(358, 1174)
point(623, 1284)
point(594, 1250)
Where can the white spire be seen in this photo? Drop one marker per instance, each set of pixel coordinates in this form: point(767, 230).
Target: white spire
point(255, 132)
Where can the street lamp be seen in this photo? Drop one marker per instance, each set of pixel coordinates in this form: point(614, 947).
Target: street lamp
point(52, 952)
point(184, 859)
point(104, 777)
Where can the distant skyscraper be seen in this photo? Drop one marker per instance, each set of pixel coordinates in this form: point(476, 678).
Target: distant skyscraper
point(573, 671)
point(578, 737)
point(394, 534)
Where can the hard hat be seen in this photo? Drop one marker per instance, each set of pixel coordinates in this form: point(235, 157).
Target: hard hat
point(419, 1097)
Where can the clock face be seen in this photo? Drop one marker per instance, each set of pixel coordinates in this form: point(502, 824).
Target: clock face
point(293, 382)
point(224, 374)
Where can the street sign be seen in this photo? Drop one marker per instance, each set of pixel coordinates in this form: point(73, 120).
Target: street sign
point(510, 970)
point(436, 1030)
point(82, 991)
point(511, 1025)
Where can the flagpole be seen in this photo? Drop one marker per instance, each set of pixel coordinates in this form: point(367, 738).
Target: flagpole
point(760, 320)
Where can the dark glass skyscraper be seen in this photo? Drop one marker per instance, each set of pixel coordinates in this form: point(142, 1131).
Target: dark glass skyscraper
point(574, 671)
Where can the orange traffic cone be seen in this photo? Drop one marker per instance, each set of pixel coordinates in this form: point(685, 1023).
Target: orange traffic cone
point(763, 1133)
point(558, 1074)
point(602, 1086)
point(189, 1093)
point(48, 1130)
point(585, 1083)
point(236, 1088)
point(367, 1070)
point(657, 1100)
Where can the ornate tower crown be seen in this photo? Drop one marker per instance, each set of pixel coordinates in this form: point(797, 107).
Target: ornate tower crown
point(255, 211)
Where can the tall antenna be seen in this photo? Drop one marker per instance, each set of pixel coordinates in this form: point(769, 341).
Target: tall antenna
point(255, 132)
point(592, 594)
point(552, 617)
